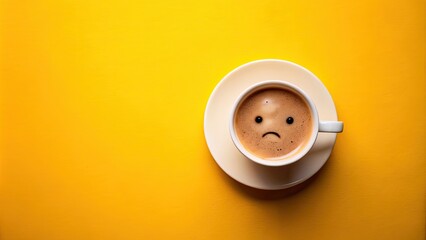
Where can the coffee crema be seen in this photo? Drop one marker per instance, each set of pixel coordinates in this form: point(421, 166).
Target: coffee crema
point(272, 123)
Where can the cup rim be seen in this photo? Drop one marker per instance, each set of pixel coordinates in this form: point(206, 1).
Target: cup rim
point(287, 160)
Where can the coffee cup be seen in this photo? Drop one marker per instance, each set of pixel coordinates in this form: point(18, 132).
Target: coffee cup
point(275, 123)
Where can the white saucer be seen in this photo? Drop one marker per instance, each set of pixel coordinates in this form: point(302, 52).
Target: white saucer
point(227, 156)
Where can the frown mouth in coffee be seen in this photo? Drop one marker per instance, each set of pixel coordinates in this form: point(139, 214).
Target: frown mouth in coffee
point(273, 133)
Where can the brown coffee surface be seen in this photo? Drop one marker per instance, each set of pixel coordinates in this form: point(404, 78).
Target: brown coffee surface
point(264, 127)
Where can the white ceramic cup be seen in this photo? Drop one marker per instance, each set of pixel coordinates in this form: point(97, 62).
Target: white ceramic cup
point(317, 124)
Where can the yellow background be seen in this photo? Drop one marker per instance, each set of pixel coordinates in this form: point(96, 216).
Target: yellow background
point(102, 108)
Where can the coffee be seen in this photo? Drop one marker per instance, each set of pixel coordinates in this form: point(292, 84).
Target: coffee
point(273, 122)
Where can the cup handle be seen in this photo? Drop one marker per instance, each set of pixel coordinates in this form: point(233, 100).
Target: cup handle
point(331, 126)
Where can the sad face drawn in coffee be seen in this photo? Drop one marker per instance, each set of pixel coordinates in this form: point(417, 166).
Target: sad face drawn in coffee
point(273, 122)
